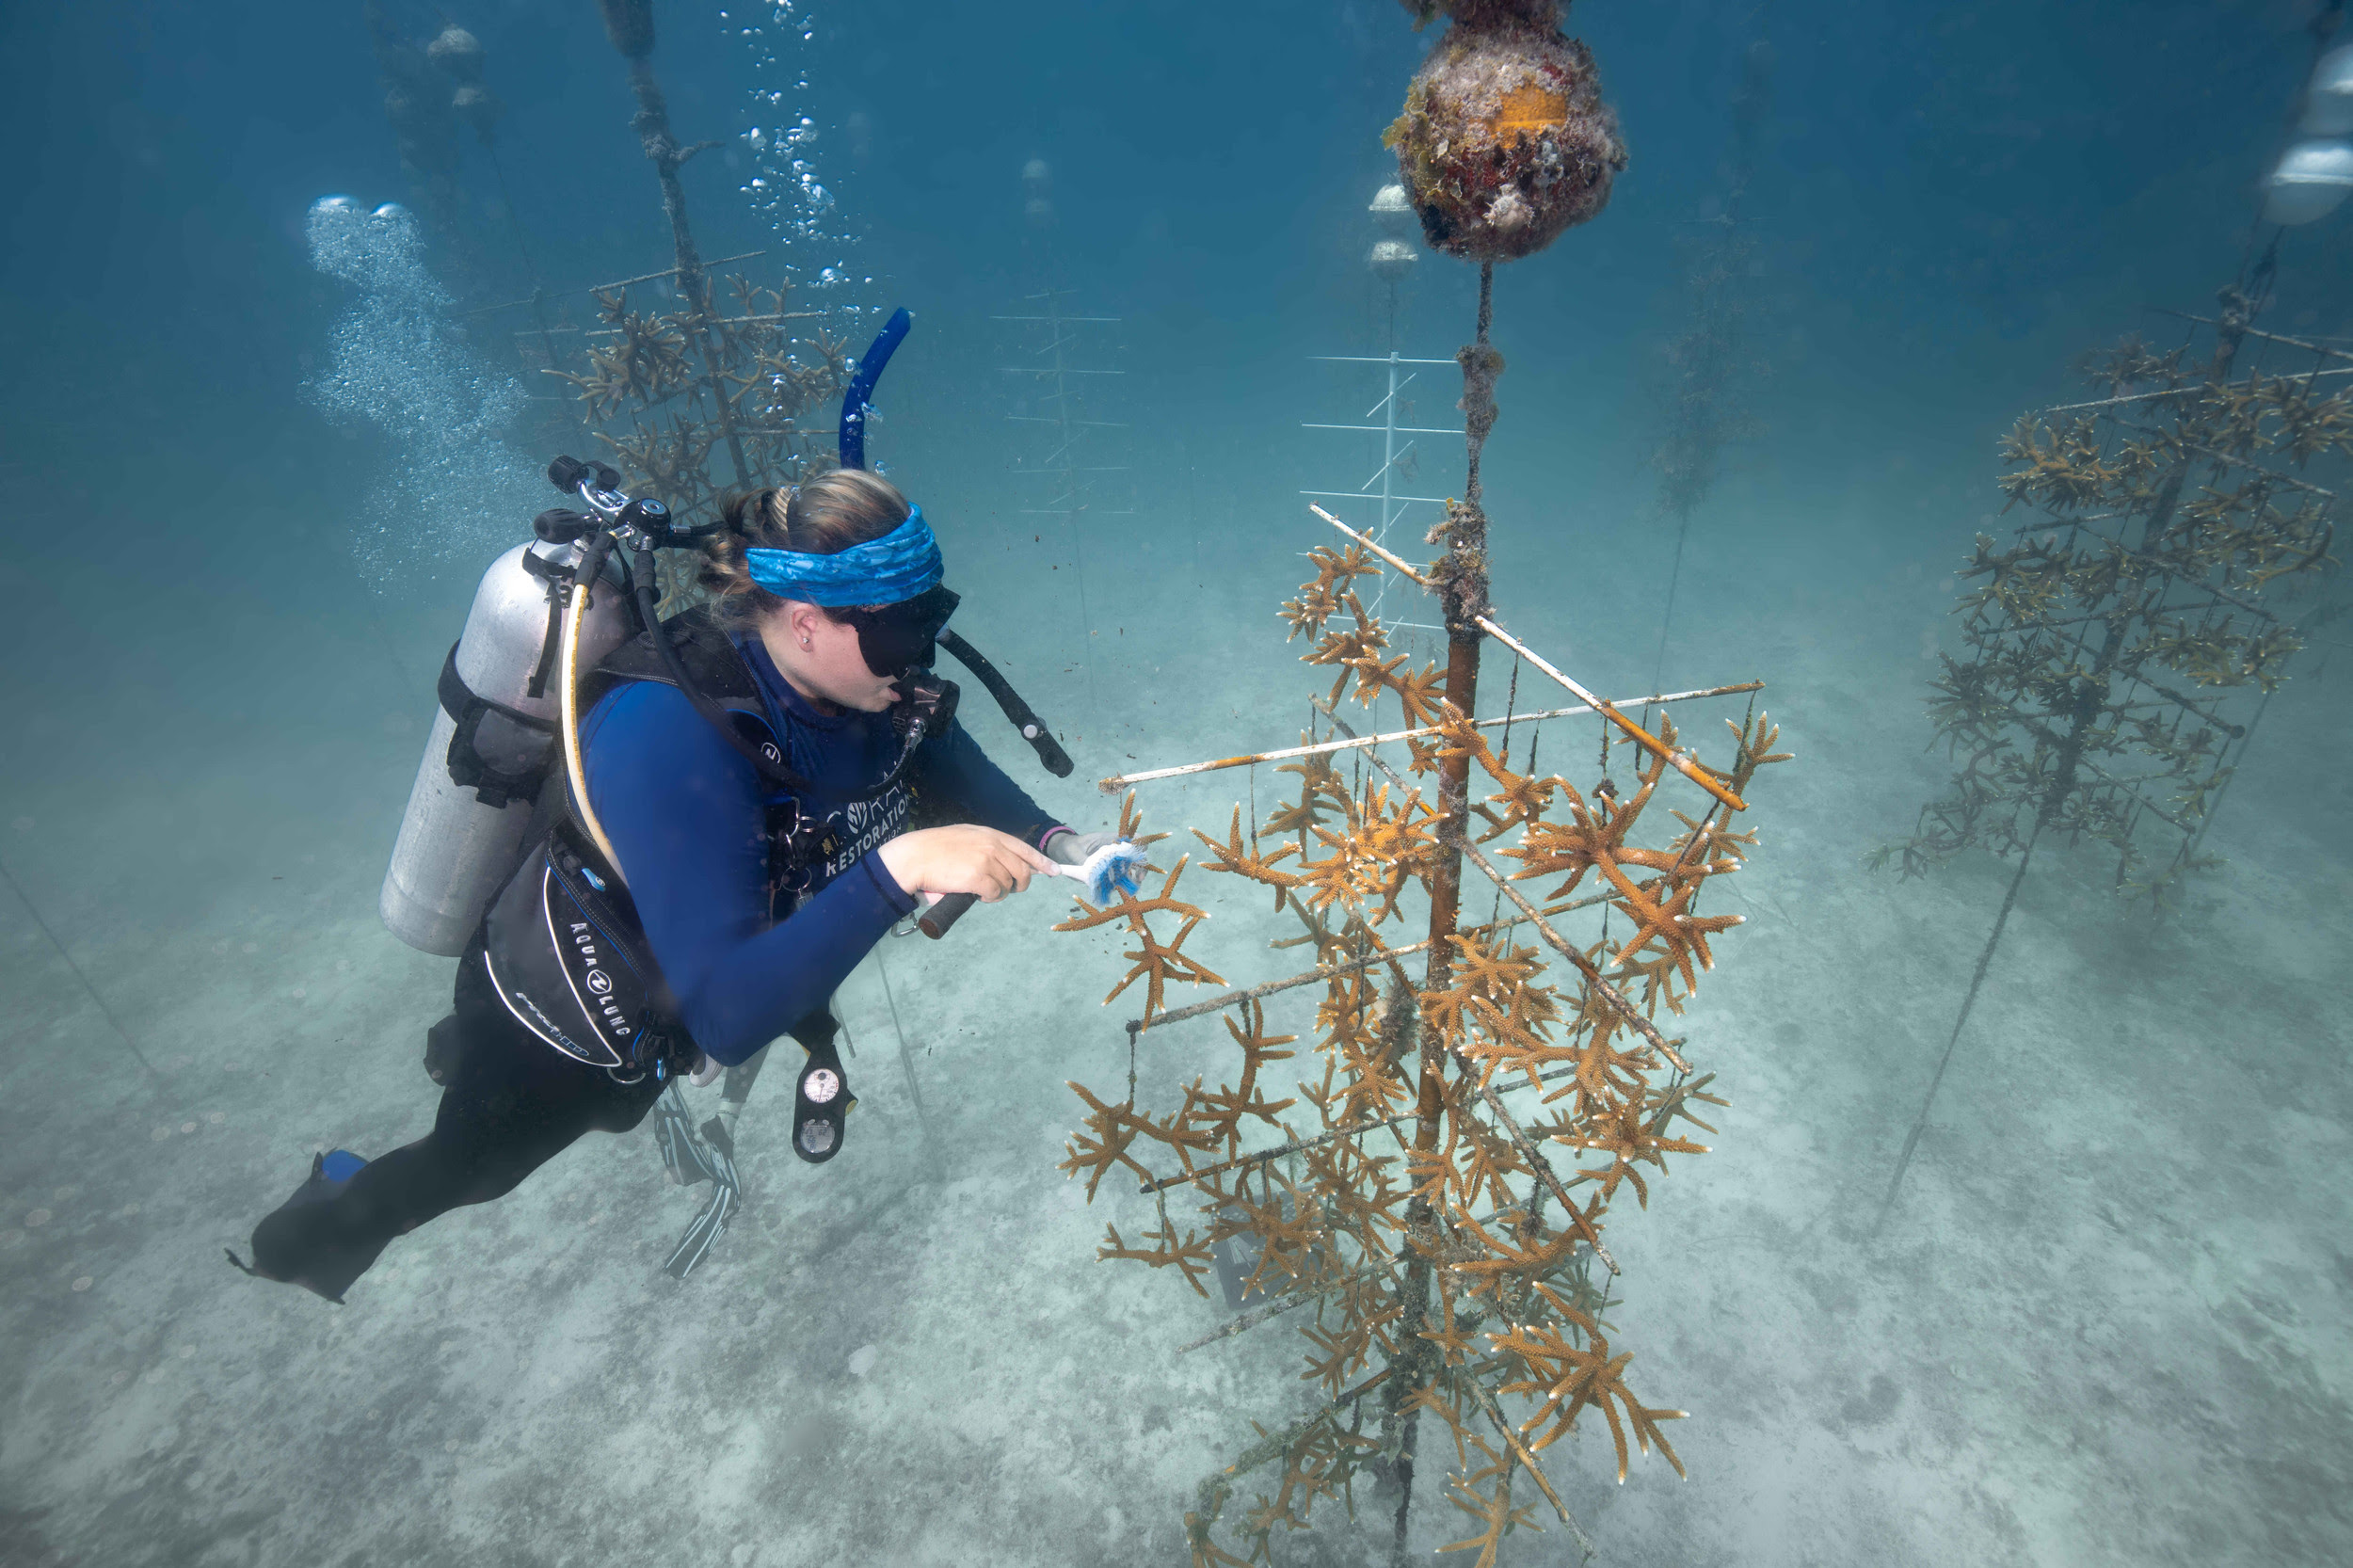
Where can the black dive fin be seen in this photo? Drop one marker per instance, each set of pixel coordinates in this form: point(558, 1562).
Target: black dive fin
point(295, 1246)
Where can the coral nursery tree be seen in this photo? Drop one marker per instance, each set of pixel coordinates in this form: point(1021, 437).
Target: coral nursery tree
point(672, 391)
point(693, 387)
point(2119, 647)
point(1431, 1203)
point(2103, 640)
point(695, 381)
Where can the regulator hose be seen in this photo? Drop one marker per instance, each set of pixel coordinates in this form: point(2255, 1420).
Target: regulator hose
point(590, 570)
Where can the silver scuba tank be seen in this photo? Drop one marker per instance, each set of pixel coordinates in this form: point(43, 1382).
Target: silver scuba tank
point(463, 833)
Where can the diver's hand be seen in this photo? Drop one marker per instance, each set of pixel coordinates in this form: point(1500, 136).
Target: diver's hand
point(1071, 847)
point(963, 859)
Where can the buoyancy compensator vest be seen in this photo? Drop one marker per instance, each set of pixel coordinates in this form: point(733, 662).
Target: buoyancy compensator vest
point(563, 946)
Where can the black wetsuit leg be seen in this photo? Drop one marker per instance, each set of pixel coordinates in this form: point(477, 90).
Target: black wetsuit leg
point(511, 1103)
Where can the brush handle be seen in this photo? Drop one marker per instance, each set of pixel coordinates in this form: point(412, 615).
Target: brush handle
point(945, 911)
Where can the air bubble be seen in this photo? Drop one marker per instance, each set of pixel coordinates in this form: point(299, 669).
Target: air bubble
point(454, 485)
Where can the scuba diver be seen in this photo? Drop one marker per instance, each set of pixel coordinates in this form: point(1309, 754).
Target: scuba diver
point(737, 805)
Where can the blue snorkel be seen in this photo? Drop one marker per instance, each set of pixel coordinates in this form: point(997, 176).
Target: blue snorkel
point(856, 403)
point(859, 399)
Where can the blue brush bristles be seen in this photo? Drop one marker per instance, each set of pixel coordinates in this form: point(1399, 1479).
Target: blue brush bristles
point(1113, 870)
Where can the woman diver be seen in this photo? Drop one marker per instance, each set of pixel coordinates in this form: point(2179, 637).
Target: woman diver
point(764, 801)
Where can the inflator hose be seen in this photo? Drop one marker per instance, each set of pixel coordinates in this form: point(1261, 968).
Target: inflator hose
point(592, 558)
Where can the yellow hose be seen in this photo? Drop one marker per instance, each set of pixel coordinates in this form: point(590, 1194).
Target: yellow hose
point(578, 777)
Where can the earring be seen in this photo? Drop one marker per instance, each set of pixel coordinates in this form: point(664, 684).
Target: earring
point(804, 642)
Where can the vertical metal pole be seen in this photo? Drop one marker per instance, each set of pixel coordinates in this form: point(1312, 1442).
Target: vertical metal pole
point(1465, 596)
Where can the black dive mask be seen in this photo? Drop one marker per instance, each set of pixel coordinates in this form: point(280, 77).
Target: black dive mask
point(895, 638)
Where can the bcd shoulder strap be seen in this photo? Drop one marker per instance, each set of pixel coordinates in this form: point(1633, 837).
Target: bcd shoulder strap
point(717, 666)
point(710, 657)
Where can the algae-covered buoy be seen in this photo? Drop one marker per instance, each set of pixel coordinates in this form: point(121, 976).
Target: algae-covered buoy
point(1505, 143)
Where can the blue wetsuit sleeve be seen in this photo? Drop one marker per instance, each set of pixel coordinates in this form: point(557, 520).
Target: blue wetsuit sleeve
point(955, 770)
point(684, 813)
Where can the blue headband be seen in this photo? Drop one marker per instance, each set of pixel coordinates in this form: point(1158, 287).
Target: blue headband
point(900, 565)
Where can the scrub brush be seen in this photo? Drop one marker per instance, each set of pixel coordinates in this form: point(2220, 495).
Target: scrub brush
point(1116, 867)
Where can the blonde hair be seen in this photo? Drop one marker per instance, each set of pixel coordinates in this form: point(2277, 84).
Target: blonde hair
point(831, 513)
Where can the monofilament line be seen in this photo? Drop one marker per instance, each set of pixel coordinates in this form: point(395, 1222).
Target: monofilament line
point(96, 1000)
point(1985, 959)
point(906, 1066)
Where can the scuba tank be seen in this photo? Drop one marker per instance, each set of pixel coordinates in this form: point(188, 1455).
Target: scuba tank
point(493, 741)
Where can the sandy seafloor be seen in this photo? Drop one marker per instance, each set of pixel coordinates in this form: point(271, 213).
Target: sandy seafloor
point(2105, 1326)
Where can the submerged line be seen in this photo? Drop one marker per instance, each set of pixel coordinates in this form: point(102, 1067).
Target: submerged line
point(89, 991)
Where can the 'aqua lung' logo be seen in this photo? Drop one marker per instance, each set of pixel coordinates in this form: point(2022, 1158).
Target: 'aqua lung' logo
point(585, 944)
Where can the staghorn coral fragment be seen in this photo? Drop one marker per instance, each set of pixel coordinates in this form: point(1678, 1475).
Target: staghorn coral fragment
point(1569, 1377)
point(1189, 1254)
point(1493, 1510)
point(1236, 857)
